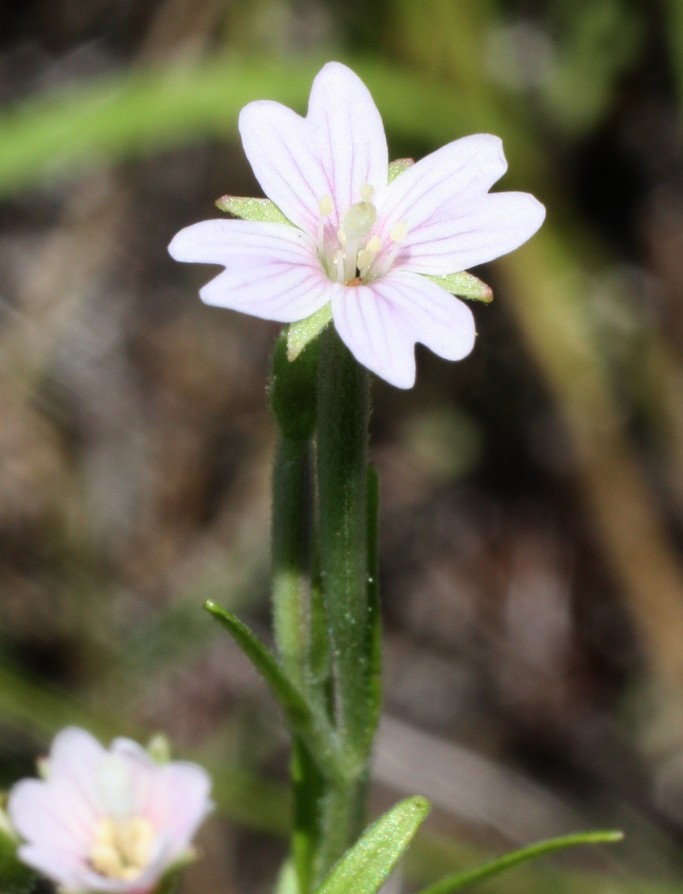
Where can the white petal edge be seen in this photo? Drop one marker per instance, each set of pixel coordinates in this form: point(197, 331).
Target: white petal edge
point(381, 323)
point(466, 167)
point(473, 234)
point(48, 818)
point(374, 330)
point(338, 148)
point(348, 134)
point(437, 319)
point(185, 789)
point(272, 271)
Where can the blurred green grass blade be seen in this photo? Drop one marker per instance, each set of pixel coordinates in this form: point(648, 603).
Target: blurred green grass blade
point(459, 880)
point(113, 118)
point(139, 113)
point(365, 867)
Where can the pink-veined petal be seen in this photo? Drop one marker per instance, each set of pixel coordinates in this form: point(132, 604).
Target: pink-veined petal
point(181, 803)
point(472, 234)
point(45, 816)
point(437, 319)
point(375, 332)
point(272, 270)
point(381, 323)
point(348, 134)
point(74, 752)
point(338, 148)
point(463, 169)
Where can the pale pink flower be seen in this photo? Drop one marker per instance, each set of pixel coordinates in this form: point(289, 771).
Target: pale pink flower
point(358, 242)
point(107, 820)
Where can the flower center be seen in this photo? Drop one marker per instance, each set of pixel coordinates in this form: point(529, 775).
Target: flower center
point(121, 848)
point(355, 254)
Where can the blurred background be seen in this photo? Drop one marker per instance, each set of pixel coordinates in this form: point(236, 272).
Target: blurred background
point(532, 495)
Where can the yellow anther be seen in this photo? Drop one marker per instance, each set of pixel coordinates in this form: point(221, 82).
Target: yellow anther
point(399, 232)
point(326, 205)
point(367, 193)
point(121, 848)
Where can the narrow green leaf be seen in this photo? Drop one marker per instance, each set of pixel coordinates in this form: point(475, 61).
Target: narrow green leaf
point(305, 331)
point(314, 730)
point(399, 166)
point(251, 209)
point(459, 880)
point(465, 285)
point(366, 866)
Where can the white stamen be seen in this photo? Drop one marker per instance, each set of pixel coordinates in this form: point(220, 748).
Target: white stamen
point(367, 255)
point(399, 232)
point(326, 206)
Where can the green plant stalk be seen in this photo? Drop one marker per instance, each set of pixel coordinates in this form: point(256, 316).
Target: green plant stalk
point(342, 452)
point(342, 478)
point(292, 391)
point(291, 555)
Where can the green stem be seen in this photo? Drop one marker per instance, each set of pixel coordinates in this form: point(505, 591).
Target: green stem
point(342, 454)
point(342, 476)
point(291, 551)
point(341, 818)
point(293, 399)
point(308, 787)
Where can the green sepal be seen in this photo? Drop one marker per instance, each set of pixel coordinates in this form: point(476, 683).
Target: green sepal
point(455, 882)
point(170, 880)
point(399, 166)
point(159, 748)
point(464, 285)
point(15, 877)
point(249, 208)
point(311, 726)
point(366, 865)
point(287, 882)
point(302, 333)
point(293, 395)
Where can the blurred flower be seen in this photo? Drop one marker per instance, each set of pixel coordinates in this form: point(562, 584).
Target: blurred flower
point(363, 244)
point(112, 821)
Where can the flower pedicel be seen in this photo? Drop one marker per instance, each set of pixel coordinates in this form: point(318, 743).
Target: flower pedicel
point(353, 240)
point(108, 820)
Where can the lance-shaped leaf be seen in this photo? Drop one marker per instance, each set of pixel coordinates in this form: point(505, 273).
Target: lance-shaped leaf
point(310, 725)
point(366, 866)
point(455, 882)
